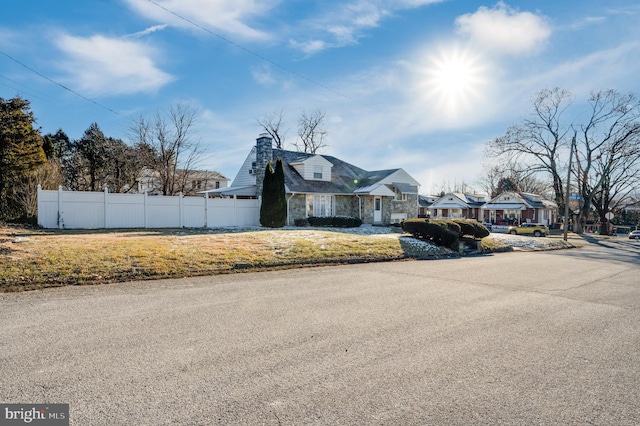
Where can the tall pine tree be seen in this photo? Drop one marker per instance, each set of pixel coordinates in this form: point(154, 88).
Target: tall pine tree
point(273, 210)
point(21, 150)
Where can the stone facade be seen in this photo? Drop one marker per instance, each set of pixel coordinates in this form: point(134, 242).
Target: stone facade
point(263, 155)
point(346, 205)
point(389, 207)
point(297, 207)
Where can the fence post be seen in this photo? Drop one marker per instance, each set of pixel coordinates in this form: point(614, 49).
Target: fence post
point(146, 225)
point(106, 191)
point(60, 213)
point(235, 210)
point(206, 210)
point(180, 207)
point(39, 208)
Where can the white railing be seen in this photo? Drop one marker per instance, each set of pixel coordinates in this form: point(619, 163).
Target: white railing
point(90, 210)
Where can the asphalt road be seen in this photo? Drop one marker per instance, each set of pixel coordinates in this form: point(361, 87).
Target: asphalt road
point(540, 338)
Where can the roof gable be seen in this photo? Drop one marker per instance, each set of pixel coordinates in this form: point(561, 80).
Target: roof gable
point(451, 200)
point(338, 177)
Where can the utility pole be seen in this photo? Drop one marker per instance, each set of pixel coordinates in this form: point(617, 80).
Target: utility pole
point(566, 198)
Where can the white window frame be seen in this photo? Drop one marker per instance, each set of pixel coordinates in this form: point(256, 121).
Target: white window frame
point(320, 205)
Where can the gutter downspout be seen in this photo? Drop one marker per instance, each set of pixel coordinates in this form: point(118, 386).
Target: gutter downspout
point(288, 215)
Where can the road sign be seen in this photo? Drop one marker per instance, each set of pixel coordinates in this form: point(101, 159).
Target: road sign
point(609, 215)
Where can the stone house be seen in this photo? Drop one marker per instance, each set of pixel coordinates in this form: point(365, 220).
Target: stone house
point(322, 185)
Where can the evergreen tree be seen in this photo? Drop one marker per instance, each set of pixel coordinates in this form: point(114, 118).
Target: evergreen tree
point(273, 210)
point(56, 145)
point(21, 150)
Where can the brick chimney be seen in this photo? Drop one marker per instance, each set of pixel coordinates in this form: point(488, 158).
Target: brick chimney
point(263, 154)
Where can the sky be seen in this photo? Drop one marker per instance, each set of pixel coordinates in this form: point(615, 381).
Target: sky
point(415, 84)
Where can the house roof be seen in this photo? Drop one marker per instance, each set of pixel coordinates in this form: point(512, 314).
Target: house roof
point(518, 201)
point(405, 188)
point(345, 178)
point(426, 200)
point(504, 206)
point(244, 191)
point(456, 200)
point(375, 189)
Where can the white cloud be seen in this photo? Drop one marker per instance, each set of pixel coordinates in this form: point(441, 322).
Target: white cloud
point(99, 65)
point(147, 31)
point(346, 24)
point(226, 16)
point(608, 68)
point(504, 30)
point(308, 47)
point(263, 75)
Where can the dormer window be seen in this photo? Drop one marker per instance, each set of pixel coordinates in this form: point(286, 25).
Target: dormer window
point(317, 172)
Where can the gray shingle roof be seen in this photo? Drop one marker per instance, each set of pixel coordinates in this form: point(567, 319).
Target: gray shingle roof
point(345, 177)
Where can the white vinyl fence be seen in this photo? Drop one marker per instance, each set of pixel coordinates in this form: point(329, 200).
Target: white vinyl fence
point(90, 210)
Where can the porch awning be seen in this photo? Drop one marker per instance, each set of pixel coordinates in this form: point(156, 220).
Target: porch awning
point(449, 206)
point(504, 206)
point(376, 189)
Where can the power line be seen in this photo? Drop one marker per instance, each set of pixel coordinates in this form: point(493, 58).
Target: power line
point(250, 52)
point(58, 84)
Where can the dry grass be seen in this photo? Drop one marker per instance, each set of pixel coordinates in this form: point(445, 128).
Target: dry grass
point(32, 259)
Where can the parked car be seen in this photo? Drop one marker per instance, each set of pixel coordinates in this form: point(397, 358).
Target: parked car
point(535, 229)
point(634, 235)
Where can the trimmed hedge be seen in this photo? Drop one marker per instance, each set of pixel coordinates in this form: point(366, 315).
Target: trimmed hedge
point(335, 221)
point(444, 232)
point(441, 232)
point(472, 228)
point(301, 222)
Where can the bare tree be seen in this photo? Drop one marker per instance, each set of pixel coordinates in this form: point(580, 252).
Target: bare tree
point(311, 132)
point(499, 177)
point(538, 141)
point(171, 135)
point(25, 191)
point(273, 124)
point(607, 151)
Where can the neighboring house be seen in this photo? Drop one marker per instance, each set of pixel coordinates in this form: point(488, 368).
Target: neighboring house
point(456, 205)
point(322, 185)
point(195, 181)
point(521, 207)
point(424, 204)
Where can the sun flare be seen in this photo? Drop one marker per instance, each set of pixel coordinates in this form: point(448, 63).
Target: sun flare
point(454, 78)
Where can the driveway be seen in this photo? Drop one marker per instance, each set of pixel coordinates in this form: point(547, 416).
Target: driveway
point(515, 338)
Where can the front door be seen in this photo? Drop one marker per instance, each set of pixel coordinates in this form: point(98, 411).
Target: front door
point(377, 210)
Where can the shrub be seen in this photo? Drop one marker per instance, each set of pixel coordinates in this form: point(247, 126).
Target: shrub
point(319, 221)
point(301, 222)
point(472, 228)
point(441, 232)
point(346, 221)
point(335, 221)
